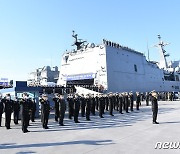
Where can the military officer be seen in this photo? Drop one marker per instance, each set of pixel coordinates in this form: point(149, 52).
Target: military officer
point(117, 101)
point(88, 106)
point(138, 100)
point(93, 104)
point(106, 102)
point(126, 99)
point(16, 109)
point(56, 107)
point(83, 105)
point(131, 98)
point(25, 108)
point(120, 103)
point(33, 110)
point(100, 105)
point(8, 109)
point(76, 108)
point(45, 110)
point(97, 103)
point(147, 99)
point(111, 103)
point(70, 100)
point(154, 100)
point(1, 108)
point(62, 105)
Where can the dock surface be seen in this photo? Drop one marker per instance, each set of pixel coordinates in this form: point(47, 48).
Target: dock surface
point(127, 133)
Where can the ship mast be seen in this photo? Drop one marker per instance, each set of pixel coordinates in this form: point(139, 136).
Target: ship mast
point(78, 42)
point(163, 54)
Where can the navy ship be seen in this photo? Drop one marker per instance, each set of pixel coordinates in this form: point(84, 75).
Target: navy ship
point(118, 68)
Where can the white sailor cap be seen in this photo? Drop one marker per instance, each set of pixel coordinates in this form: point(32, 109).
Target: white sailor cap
point(44, 95)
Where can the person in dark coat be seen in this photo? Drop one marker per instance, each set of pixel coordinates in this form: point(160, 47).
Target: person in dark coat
point(154, 100)
point(56, 107)
point(8, 109)
point(76, 108)
point(25, 109)
point(88, 106)
point(131, 98)
point(30, 108)
point(147, 99)
point(45, 110)
point(97, 103)
point(103, 107)
point(138, 100)
point(70, 100)
point(100, 105)
point(120, 103)
point(1, 108)
point(126, 98)
point(106, 102)
point(83, 105)
point(93, 104)
point(33, 110)
point(62, 105)
point(117, 101)
point(16, 109)
point(112, 98)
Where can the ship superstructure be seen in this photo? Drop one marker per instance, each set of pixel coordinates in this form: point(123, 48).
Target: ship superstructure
point(117, 68)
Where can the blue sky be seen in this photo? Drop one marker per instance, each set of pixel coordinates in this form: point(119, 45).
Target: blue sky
point(34, 33)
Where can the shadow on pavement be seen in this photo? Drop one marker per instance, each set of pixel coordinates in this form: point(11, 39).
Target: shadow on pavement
point(87, 142)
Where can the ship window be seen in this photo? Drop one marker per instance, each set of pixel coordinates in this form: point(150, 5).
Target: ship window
point(135, 68)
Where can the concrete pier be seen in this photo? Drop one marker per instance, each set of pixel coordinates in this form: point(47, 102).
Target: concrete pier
point(129, 133)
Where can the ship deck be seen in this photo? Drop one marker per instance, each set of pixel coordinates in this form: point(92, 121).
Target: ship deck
point(128, 133)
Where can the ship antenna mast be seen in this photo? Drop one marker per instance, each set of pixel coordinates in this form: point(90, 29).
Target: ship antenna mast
point(163, 54)
point(78, 42)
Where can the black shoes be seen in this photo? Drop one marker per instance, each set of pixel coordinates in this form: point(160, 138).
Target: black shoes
point(61, 124)
point(45, 127)
point(77, 122)
point(26, 131)
point(155, 122)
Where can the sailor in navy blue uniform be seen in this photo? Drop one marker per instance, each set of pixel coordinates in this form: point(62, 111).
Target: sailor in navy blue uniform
point(45, 110)
point(1, 108)
point(24, 110)
point(8, 109)
point(154, 99)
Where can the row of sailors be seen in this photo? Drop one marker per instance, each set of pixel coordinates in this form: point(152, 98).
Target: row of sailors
point(26, 106)
point(87, 104)
point(90, 103)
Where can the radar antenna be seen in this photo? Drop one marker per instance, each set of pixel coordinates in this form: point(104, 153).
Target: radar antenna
point(163, 54)
point(78, 42)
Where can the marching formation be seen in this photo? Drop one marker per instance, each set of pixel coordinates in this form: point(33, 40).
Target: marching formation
point(78, 105)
